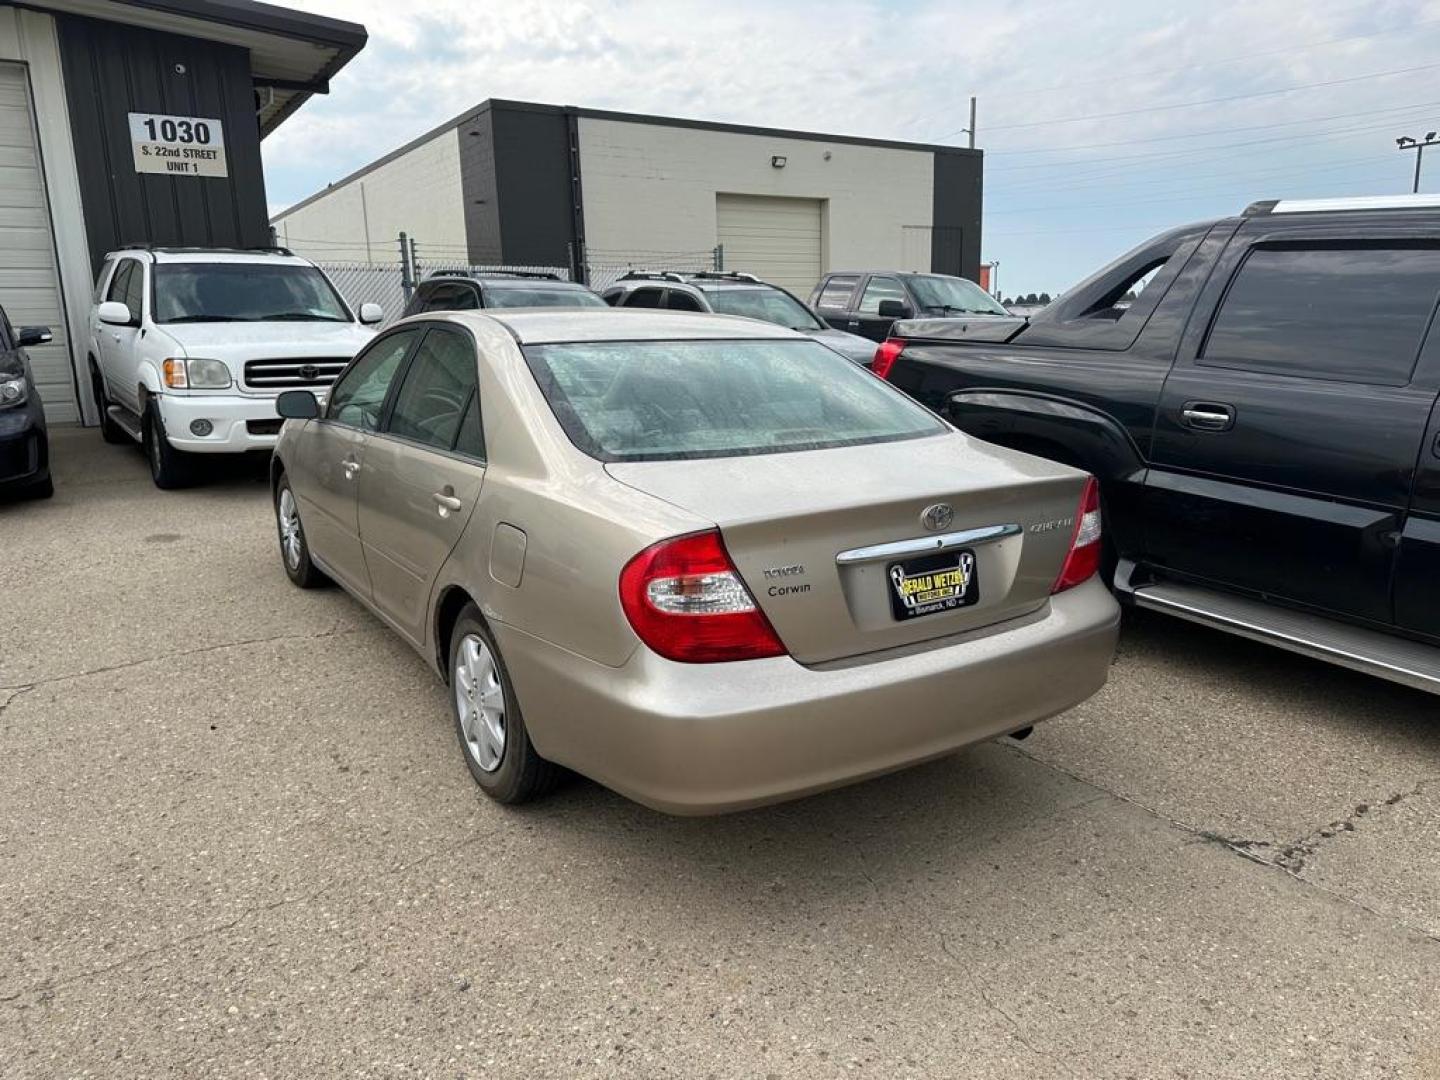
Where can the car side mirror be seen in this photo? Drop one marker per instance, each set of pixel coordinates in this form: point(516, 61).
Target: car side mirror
point(297, 405)
point(370, 314)
point(895, 309)
point(114, 313)
point(33, 335)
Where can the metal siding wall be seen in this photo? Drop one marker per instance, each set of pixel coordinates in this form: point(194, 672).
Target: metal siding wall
point(955, 239)
point(532, 173)
point(112, 70)
point(480, 190)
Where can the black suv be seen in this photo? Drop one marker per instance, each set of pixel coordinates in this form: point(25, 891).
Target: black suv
point(1263, 417)
point(456, 291)
point(868, 302)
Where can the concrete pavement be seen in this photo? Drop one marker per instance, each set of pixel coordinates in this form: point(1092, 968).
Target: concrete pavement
point(237, 839)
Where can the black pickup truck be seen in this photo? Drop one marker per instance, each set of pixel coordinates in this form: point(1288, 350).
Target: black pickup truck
point(1262, 418)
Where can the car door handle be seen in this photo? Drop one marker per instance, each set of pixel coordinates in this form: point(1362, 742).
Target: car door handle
point(351, 467)
point(1207, 416)
point(446, 503)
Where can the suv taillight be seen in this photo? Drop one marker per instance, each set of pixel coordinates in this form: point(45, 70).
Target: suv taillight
point(686, 601)
point(885, 356)
point(1083, 558)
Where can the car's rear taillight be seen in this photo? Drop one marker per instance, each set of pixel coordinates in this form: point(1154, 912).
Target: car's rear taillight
point(686, 601)
point(1083, 559)
point(885, 356)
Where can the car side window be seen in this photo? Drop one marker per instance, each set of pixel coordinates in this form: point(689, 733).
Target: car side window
point(471, 439)
point(452, 297)
point(1343, 312)
point(134, 297)
point(105, 269)
point(676, 300)
point(119, 290)
point(836, 294)
point(358, 396)
point(878, 289)
point(436, 390)
point(645, 298)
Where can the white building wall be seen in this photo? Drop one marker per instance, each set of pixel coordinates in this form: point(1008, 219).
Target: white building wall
point(650, 188)
point(418, 193)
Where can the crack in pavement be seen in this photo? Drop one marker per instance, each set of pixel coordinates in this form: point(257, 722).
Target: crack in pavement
point(1250, 849)
point(334, 631)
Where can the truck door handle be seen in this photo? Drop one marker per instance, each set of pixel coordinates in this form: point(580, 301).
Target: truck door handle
point(1207, 416)
point(446, 503)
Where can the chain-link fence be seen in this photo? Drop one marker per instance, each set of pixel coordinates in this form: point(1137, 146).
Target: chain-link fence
point(386, 283)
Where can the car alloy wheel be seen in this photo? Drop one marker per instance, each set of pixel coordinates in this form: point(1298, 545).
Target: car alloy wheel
point(480, 702)
point(292, 544)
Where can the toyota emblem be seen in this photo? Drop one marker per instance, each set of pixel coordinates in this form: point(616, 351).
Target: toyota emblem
point(309, 371)
point(937, 517)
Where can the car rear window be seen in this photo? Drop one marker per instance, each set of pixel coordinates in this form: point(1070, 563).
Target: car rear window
point(767, 305)
point(508, 296)
point(667, 400)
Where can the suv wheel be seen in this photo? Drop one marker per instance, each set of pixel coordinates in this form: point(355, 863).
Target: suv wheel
point(294, 549)
point(110, 431)
point(493, 739)
point(169, 468)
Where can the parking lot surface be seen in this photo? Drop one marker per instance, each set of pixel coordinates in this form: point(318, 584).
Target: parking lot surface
point(237, 839)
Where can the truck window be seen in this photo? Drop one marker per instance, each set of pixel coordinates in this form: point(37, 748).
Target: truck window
point(835, 295)
point(1348, 313)
point(881, 288)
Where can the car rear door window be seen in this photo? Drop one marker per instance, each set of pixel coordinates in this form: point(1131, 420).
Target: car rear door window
point(452, 298)
point(836, 294)
point(645, 298)
point(436, 390)
point(878, 289)
point(1347, 313)
point(358, 396)
point(678, 300)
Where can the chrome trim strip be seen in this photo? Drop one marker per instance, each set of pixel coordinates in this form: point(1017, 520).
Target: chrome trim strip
point(925, 545)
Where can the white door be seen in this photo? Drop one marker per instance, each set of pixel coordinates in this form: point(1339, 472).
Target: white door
point(29, 278)
point(776, 239)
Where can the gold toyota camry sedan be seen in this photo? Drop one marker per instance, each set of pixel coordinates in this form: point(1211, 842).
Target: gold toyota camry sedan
point(706, 561)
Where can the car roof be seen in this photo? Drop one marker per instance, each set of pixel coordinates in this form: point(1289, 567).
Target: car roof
point(539, 327)
point(501, 277)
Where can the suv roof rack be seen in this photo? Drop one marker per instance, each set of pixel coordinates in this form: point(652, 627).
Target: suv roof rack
point(163, 249)
point(466, 272)
point(1362, 202)
point(651, 275)
point(725, 275)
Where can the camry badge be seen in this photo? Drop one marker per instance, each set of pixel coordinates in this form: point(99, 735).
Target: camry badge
point(937, 516)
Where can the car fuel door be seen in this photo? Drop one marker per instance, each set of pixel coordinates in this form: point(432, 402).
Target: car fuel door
point(1288, 429)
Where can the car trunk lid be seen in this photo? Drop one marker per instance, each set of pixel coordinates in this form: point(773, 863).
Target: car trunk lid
point(831, 543)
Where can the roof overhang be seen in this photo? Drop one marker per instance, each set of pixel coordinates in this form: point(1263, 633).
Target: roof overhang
point(293, 54)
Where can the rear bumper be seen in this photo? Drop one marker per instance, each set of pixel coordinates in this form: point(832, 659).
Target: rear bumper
point(229, 415)
point(709, 738)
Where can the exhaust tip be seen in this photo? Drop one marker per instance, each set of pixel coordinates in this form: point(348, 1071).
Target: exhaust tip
point(1023, 734)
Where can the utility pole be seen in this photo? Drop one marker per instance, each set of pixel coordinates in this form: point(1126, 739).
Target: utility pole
point(1406, 142)
point(971, 129)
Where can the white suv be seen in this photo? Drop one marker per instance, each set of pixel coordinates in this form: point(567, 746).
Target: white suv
point(190, 347)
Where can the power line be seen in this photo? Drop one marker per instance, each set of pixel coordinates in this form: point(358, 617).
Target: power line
point(1191, 135)
point(1208, 101)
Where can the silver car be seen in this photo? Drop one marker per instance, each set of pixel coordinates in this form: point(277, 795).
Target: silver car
point(703, 560)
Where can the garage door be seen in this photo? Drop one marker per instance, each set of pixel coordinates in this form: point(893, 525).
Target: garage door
point(775, 239)
point(29, 281)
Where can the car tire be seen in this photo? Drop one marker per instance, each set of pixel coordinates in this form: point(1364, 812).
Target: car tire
point(110, 431)
point(496, 748)
point(294, 548)
point(169, 468)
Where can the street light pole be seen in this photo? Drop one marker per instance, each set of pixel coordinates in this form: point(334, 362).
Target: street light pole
point(1406, 142)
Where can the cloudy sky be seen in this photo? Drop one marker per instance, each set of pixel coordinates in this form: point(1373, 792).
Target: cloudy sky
point(1101, 123)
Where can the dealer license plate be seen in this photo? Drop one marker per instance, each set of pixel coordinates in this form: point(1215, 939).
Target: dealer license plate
point(933, 583)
